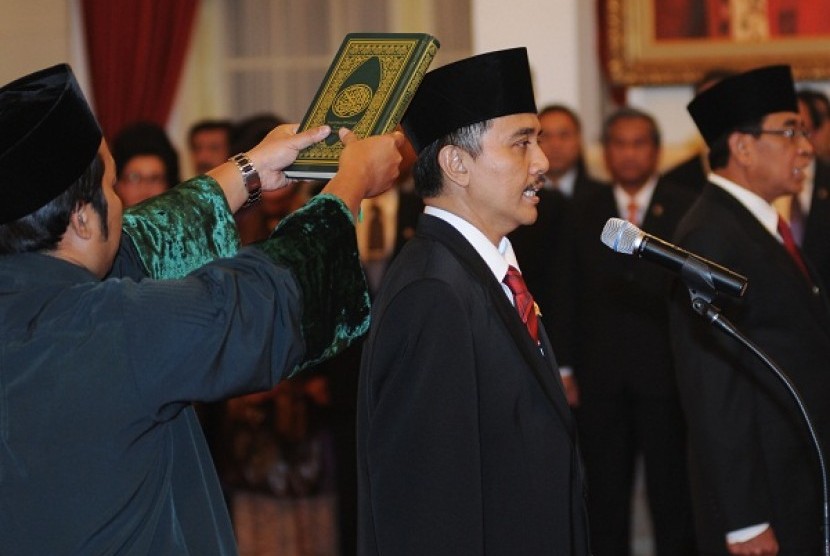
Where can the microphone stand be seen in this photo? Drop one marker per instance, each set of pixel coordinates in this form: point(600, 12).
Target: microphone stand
point(698, 279)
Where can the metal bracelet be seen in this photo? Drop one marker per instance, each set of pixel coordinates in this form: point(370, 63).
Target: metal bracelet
point(250, 178)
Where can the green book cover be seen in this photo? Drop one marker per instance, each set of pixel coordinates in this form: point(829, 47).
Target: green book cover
point(367, 89)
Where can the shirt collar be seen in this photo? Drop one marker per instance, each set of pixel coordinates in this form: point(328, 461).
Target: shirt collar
point(763, 211)
point(642, 198)
point(564, 184)
point(496, 258)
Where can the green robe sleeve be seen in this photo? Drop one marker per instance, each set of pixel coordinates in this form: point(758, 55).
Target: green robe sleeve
point(183, 229)
point(191, 225)
point(318, 243)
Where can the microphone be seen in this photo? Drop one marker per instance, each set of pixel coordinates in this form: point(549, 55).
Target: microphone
point(624, 237)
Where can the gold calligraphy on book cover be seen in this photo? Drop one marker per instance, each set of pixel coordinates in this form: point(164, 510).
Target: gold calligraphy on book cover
point(367, 89)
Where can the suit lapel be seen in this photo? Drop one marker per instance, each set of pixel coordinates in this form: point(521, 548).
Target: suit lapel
point(543, 368)
point(668, 205)
point(656, 211)
point(759, 234)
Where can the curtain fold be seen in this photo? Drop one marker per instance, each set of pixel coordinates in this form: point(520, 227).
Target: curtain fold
point(136, 52)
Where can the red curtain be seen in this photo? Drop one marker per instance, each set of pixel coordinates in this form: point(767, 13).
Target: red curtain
point(136, 52)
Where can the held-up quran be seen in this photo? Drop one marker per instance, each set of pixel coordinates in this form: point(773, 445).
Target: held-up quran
point(367, 89)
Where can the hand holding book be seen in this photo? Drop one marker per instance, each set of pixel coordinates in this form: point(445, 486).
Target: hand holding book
point(367, 90)
point(368, 167)
point(268, 159)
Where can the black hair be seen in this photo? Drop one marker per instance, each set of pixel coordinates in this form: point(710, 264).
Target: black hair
point(43, 229)
point(562, 109)
point(815, 100)
point(574, 117)
point(146, 138)
point(427, 172)
point(248, 133)
point(627, 113)
point(719, 152)
point(209, 125)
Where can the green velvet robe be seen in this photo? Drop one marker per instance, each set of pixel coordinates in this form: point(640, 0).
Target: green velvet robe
point(100, 449)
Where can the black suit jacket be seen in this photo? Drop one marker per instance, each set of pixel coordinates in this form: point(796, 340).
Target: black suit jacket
point(585, 185)
point(622, 335)
point(751, 458)
point(690, 173)
point(816, 243)
point(465, 440)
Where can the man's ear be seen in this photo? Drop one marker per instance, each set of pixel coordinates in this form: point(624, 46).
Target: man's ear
point(451, 160)
point(739, 146)
point(80, 221)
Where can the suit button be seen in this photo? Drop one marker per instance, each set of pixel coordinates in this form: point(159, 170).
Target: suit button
point(816, 290)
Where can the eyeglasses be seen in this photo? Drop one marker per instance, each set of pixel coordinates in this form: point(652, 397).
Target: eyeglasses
point(135, 178)
point(790, 133)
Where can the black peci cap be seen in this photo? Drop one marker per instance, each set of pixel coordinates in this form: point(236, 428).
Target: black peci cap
point(469, 91)
point(48, 138)
point(742, 99)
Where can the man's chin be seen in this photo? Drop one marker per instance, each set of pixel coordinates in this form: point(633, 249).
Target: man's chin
point(531, 216)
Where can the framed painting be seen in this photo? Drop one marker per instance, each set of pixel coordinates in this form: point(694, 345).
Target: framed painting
point(654, 42)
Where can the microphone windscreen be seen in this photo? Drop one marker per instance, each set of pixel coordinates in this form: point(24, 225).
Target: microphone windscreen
point(621, 235)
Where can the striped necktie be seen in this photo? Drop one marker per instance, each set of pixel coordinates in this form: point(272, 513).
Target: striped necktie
point(792, 249)
point(524, 301)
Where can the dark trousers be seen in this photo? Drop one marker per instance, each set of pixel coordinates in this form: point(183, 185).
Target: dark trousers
point(614, 431)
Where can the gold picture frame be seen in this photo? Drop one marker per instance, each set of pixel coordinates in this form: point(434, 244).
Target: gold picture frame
point(636, 56)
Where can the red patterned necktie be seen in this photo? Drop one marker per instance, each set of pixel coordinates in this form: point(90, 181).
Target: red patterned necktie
point(789, 245)
point(524, 302)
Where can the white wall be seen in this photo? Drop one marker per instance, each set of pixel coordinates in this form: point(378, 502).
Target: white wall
point(559, 37)
point(34, 35)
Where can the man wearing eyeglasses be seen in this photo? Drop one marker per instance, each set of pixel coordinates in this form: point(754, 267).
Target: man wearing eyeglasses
point(146, 163)
point(755, 481)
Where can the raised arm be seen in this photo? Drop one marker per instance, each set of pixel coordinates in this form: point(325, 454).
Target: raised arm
point(170, 242)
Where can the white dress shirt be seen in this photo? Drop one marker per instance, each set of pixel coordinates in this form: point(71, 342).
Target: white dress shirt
point(642, 199)
point(565, 184)
point(497, 258)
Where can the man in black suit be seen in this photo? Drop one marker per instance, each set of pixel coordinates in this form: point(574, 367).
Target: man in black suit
point(756, 487)
point(629, 405)
point(544, 249)
point(810, 217)
point(389, 220)
point(816, 239)
point(561, 141)
point(466, 444)
point(819, 107)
